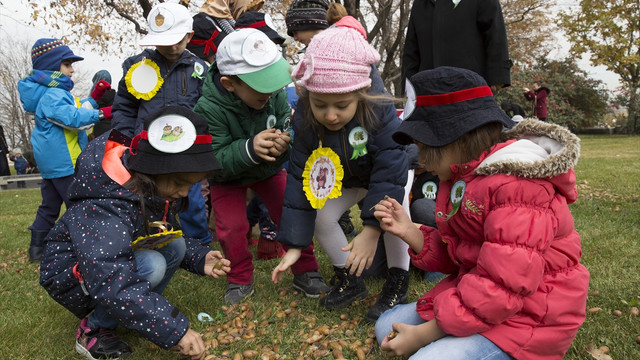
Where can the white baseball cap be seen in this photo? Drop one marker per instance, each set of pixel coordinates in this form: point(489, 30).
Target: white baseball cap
point(168, 24)
point(255, 59)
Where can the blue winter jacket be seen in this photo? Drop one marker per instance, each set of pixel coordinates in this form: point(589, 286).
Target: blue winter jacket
point(96, 233)
point(20, 164)
point(60, 123)
point(383, 170)
point(182, 86)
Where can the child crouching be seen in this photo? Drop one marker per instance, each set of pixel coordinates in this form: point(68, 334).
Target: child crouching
point(109, 258)
point(504, 233)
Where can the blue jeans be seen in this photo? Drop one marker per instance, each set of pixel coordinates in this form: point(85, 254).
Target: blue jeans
point(155, 266)
point(474, 347)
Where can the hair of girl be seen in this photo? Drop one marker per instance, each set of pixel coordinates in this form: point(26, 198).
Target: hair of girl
point(469, 146)
point(145, 186)
point(365, 114)
point(335, 12)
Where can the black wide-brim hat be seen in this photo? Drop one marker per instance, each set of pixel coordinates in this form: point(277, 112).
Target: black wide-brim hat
point(207, 36)
point(445, 103)
point(262, 22)
point(174, 140)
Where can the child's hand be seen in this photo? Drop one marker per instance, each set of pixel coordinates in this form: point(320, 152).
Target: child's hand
point(280, 144)
point(362, 250)
point(100, 89)
point(263, 142)
point(392, 217)
point(215, 265)
point(191, 345)
point(411, 338)
point(288, 259)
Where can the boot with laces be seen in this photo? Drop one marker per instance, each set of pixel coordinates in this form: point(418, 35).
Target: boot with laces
point(346, 289)
point(394, 292)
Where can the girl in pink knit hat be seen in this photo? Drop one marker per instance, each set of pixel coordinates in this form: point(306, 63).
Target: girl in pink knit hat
point(343, 154)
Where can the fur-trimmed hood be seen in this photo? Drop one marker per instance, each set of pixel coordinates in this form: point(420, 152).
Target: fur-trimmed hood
point(541, 150)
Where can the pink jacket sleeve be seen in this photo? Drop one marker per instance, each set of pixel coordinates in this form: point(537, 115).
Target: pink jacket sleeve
point(434, 256)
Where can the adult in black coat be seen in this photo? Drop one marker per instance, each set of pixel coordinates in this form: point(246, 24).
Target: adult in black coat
point(468, 34)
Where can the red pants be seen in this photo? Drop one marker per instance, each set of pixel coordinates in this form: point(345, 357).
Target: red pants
point(229, 206)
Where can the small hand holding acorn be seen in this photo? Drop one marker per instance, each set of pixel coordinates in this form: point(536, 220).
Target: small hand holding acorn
point(270, 143)
point(280, 143)
point(216, 265)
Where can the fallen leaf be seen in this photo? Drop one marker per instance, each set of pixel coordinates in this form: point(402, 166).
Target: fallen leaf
point(597, 353)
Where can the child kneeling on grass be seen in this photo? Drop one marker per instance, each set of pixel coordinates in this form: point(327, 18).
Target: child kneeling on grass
point(504, 233)
point(116, 248)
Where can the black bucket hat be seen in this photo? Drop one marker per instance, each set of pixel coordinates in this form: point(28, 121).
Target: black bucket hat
point(445, 103)
point(207, 36)
point(174, 140)
point(262, 22)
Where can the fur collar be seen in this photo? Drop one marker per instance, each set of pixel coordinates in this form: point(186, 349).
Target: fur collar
point(542, 150)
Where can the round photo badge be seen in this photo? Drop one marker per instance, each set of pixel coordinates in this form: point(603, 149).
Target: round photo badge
point(322, 177)
point(430, 190)
point(358, 138)
point(410, 105)
point(257, 52)
point(143, 79)
point(171, 134)
point(271, 121)
point(457, 192)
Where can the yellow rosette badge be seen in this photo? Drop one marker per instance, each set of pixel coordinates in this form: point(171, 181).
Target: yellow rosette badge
point(322, 177)
point(143, 79)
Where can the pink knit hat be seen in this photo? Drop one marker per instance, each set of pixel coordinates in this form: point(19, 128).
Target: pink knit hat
point(337, 61)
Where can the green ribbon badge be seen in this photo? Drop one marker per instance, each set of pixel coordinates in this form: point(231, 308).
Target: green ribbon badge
point(457, 192)
point(358, 138)
point(198, 70)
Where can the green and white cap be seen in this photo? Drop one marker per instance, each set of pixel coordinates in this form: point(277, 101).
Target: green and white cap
point(255, 59)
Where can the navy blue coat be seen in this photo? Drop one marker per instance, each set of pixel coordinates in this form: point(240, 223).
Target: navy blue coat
point(96, 233)
point(181, 87)
point(383, 170)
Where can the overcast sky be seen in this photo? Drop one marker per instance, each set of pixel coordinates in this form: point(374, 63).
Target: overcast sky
point(14, 18)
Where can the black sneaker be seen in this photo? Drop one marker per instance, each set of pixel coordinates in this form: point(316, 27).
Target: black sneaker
point(236, 293)
point(311, 284)
point(100, 344)
point(347, 289)
point(394, 292)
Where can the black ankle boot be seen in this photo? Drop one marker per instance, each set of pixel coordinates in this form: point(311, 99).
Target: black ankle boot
point(37, 245)
point(394, 292)
point(347, 289)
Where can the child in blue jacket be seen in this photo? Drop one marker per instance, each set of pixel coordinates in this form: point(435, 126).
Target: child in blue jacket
point(59, 133)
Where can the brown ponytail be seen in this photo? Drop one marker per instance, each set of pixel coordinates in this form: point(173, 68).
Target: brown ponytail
point(335, 12)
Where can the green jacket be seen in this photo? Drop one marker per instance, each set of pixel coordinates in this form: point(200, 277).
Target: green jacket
point(233, 126)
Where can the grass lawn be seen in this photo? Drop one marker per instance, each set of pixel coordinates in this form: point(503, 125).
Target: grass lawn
point(279, 321)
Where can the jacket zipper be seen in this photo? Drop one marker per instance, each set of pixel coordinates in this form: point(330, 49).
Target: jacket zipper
point(184, 84)
point(344, 150)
